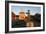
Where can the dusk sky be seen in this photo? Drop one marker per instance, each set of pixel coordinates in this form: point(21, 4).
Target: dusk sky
point(32, 9)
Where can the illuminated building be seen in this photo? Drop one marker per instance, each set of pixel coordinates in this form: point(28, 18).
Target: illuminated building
point(22, 15)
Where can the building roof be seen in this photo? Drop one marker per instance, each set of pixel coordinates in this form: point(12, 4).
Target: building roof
point(13, 14)
point(17, 15)
point(21, 13)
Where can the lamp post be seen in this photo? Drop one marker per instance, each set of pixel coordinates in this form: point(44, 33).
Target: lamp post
point(28, 13)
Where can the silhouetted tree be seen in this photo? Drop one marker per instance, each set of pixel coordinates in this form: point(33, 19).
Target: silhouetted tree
point(36, 19)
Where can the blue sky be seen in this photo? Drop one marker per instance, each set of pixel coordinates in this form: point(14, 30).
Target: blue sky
point(32, 9)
